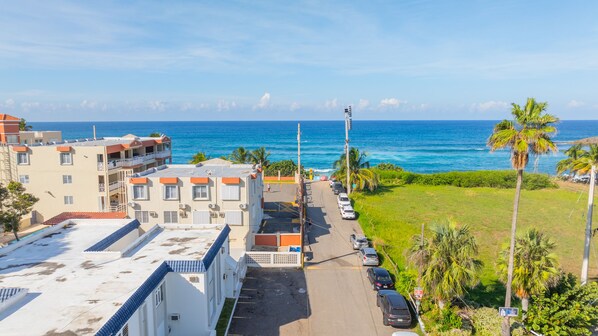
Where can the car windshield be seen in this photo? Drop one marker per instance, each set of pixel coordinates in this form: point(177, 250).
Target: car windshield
point(371, 255)
point(397, 311)
point(344, 199)
point(348, 211)
point(383, 278)
point(361, 240)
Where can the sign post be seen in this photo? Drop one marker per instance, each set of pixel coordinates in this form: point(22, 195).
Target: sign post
point(508, 311)
point(418, 293)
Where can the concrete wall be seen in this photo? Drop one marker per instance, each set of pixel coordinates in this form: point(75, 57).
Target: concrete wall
point(33, 137)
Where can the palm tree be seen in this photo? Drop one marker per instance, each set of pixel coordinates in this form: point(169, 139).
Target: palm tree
point(199, 157)
point(588, 162)
point(450, 265)
point(573, 153)
point(155, 135)
point(240, 155)
point(419, 254)
point(23, 125)
point(260, 156)
point(359, 174)
point(529, 132)
point(535, 265)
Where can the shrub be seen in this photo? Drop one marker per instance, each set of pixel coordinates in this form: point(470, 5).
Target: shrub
point(406, 281)
point(486, 322)
point(286, 167)
point(388, 166)
point(453, 332)
point(445, 319)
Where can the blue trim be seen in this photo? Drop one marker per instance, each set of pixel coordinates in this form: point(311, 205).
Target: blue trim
point(114, 237)
point(124, 313)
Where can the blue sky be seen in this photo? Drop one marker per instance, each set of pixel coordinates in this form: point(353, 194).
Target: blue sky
point(295, 60)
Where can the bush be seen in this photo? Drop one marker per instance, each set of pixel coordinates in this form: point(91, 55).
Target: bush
point(406, 281)
point(286, 167)
point(473, 179)
point(486, 322)
point(454, 332)
point(388, 166)
point(445, 319)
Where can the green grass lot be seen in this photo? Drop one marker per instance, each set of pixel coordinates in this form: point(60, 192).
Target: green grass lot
point(395, 213)
point(227, 311)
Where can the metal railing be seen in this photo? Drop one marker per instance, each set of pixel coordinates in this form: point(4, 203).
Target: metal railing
point(136, 160)
point(115, 185)
point(273, 259)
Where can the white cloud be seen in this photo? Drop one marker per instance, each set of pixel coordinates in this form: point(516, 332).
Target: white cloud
point(264, 101)
point(391, 102)
point(26, 106)
point(225, 105)
point(363, 103)
point(574, 104)
point(157, 105)
point(331, 104)
point(489, 105)
point(89, 104)
point(294, 106)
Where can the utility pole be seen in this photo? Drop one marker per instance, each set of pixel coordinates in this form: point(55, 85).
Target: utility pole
point(300, 195)
point(586, 252)
point(348, 126)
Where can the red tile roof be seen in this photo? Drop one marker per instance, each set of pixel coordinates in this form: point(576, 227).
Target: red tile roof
point(8, 117)
point(84, 215)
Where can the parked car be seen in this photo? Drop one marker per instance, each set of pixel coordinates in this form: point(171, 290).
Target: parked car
point(342, 200)
point(337, 188)
point(394, 307)
point(358, 241)
point(331, 182)
point(368, 257)
point(380, 278)
point(404, 333)
point(347, 212)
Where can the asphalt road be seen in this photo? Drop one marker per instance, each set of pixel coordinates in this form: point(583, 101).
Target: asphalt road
point(340, 297)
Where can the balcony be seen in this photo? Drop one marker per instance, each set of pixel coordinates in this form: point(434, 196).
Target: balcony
point(115, 185)
point(163, 154)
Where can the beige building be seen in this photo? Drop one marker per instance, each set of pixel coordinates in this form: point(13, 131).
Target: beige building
point(80, 175)
point(212, 192)
point(36, 137)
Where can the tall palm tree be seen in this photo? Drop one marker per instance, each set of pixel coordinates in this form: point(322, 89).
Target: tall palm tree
point(451, 265)
point(573, 153)
point(535, 265)
point(359, 170)
point(588, 163)
point(240, 155)
point(260, 156)
point(529, 132)
point(199, 157)
point(23, 125)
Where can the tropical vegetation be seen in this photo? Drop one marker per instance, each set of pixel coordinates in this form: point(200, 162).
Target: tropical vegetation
point(360, 174)
point(23, 125)
point(566, 165)
point(528, 133)
point(15, 203)
point(260, 156)
point(535, 265)
point(256, 156)
point(155, 135)
point(199, 157)
point(285, 167)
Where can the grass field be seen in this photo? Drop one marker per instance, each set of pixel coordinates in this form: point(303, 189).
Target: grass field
point(395, 213)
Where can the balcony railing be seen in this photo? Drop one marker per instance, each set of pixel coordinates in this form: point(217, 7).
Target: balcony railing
point(134, 161)
point(115, 185)
point(163, 154)
point(101, 187)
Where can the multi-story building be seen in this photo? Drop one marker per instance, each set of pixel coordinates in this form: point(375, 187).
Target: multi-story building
point(77, 175)
point(35, 137)
point(212, 192)
point(110, 277)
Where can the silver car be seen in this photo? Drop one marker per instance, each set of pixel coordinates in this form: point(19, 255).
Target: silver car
point(368, 257)
point(358, 241)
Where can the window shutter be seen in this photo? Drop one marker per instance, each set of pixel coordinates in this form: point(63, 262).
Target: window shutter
point(234, 217)
point(163, 192)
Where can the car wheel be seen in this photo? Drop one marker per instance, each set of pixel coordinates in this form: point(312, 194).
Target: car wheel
point(384, 321)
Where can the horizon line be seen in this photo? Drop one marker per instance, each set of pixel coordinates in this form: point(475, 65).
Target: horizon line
point(271, 120)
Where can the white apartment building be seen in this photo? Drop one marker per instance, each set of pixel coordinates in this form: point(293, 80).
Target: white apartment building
point(36, 137)
point(212, 192)
point(79, 175)
point(111, 277)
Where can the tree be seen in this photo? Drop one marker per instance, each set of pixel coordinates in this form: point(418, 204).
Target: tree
point(23, 125)
point(528, 132)
point(286, 168)
point(15, 203)
point(260, 156)
point(573, 153)
point(587, 162)
point(569, 309)
point(240, 155)
point(155, 135)
point(535, 265)
point(359, 172)
point(199, 157)
point(450, 264)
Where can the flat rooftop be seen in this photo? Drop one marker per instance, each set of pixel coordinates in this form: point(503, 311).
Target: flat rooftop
point(75, 293)
point(216, 170)
point(106, 141)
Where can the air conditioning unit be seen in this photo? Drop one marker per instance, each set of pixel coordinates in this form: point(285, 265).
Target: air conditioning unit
point(132, 204)
point(175, 317)
point(212, 206)
point(182, 206)
point(243, 206)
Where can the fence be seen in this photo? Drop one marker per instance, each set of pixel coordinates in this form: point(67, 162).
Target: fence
point(273, 259)
point(277, 239)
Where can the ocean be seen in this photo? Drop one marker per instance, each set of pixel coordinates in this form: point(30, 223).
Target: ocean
point(418, 146)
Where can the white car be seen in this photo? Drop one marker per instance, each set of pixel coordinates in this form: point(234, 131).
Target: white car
point(343, 200)
point(347, 212)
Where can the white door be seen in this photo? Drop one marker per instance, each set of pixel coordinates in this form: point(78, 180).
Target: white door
point(201, 217)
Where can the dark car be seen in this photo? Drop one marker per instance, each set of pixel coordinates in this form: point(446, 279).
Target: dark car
point(395, 310)
point(380, 278)
point(337, 188)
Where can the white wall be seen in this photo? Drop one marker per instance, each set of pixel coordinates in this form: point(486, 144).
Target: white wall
point(189, 301)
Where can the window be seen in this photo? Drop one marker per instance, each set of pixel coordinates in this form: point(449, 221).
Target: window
point(68, 199)
point(142, 216)
point(159, 294)
point(24, 179)
point(234, 217)
point(200, 192)
point(171, 217)
point(66, 158)
point(140, 192)
point(12, 139)
point(171, 192)
point(231, 192)
point(124, 331)
point(67, 179)
point(23, 158)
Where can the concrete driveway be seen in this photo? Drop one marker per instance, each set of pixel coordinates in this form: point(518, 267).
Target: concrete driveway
point(341, 299)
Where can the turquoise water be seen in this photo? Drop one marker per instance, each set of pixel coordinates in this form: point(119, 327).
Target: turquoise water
point(419, 146)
